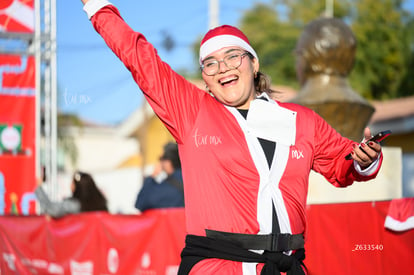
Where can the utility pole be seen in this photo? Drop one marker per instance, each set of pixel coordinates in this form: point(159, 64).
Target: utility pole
point(214, 8)
point(329, 8)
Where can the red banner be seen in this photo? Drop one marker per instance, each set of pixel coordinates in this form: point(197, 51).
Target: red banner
point(343, 239)
point(17, 16)
point(97, 243)
point(351, 238)
point(17, 134)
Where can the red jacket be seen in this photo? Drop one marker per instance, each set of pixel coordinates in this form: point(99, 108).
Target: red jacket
point(227, 182)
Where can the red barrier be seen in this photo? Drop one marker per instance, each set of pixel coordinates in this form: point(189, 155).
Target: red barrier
point(95, 243)
point(350, 238)
point(342, 239)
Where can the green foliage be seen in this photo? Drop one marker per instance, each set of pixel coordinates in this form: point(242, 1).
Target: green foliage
point(274, 35)
point(407, 83)
point(380, 65)
point(273, 41)
point(301, 12)
point(384, 62)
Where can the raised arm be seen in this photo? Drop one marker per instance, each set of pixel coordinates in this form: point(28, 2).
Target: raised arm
point(175, 100)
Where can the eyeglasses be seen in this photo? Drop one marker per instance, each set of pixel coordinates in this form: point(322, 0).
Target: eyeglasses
point(232, 61)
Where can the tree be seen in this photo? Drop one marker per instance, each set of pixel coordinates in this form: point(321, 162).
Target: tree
point(274, 29)
point(379, 68)
point(301, 12)
point(384, 62)
point(273, 41)
point(407, 83)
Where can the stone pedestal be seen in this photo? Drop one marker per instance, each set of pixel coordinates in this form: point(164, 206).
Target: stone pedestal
point(333, 99)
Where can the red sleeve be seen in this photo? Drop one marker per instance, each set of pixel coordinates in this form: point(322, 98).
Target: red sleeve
point(329, 159)
point(173, 98)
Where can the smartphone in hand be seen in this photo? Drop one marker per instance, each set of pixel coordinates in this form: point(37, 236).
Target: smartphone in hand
point(377, 138)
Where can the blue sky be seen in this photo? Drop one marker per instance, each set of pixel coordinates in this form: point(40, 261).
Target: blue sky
point(94, 84)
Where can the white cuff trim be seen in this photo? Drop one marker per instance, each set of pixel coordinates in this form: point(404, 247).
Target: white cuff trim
point(370, 170)
point(93, 6)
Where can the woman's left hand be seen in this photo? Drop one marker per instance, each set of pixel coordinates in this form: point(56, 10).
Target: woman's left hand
point(368, 152)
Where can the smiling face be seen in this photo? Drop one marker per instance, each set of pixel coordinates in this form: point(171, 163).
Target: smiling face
point(233, 87)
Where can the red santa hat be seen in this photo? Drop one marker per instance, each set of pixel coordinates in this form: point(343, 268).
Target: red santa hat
point(224, 36)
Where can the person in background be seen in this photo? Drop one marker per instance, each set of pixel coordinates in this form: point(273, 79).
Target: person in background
point(85, 197)
point(167, 193)
point(245, 158)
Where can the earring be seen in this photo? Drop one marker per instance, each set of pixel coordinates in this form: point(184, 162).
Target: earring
point(77, 176)
point(255, 74)
point(208, 91)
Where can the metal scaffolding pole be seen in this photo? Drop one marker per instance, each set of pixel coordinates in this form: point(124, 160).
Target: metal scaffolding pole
point(47, 98)
point(42, 45)
point(53, 83)
point(50, 95)
point(37, 52)
point(44, 49)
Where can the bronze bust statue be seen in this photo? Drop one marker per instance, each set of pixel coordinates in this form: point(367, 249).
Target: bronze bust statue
point(325, 55)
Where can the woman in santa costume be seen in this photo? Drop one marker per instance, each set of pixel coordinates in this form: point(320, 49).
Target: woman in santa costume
point(245, 158)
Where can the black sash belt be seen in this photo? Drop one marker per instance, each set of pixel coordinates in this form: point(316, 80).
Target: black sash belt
point(238, 247)
point(276, 242)
point(198, 248)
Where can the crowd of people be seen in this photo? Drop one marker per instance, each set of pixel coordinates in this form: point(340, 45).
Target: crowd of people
point(162, 189)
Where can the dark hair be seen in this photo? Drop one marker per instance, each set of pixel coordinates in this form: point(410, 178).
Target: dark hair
point(262, 82)
point(86, 191)
point(171, 154)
